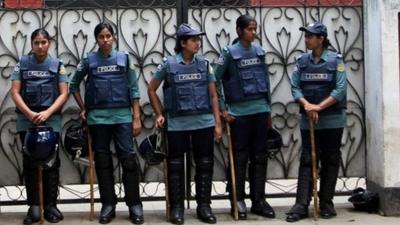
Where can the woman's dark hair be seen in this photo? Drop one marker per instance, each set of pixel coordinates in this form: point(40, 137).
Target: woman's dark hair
point(326, 43)
point(99, 27)
point(178, 46)
point(40, 31)
point(243, 21)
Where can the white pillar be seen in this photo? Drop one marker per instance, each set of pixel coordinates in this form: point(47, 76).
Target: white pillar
point(382, 101)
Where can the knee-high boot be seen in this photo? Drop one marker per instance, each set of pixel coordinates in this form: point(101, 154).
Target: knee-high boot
point(203, 178)
point(257, 178)
point(176, 189)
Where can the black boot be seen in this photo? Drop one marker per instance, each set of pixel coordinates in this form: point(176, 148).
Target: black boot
point(33, 215)
point(32, 193)
point(105, 179)
point(330, 163)
point(176, 189)
point(130, 179)
point(203, 178)
point(240, 159)
point(51, 181)
point(303, 193)
point(257, 178)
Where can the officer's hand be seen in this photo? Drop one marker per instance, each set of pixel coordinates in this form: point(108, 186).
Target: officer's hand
point(137, 127)
point(313, 116)
point(160, 120)
point(32, 116)
point(227, 117)
point(41, 117)
point(82, 114)
point(312, 107)
point(217, 132)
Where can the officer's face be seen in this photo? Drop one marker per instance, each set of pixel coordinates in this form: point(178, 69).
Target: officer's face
point(313, 41)
point(40, 46)
point(250, 32)
point(191, 45)
point(105, 40)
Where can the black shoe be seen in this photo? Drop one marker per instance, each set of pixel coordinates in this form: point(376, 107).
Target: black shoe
point(242, 210)
point(136, 214)
point(176, 215)
point(52, 214)
point(327, 210)
point(262, 208)
point(204, 213)
point(107, 213)
point(297, 212)
point(33, 215)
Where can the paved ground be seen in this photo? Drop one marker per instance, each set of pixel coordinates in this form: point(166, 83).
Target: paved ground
point(76, 214)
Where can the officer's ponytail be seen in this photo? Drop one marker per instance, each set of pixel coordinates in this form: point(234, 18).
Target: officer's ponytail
point(242, 22)
point(326, 43)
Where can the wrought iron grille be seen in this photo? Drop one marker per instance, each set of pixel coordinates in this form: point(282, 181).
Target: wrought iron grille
point(146, 29)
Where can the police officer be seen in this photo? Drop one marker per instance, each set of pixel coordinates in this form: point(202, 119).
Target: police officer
point(191, 103)
point(243, 73)
point(39, 90)
point(319, 86)
point(112, 110)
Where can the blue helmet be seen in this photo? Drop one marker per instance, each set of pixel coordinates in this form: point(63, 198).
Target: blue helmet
point(364, 200)
point(150, 149)
point(41, 144)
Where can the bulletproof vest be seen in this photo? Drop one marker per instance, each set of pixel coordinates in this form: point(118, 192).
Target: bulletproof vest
point(107, 85)
point(318, 80)
point(186, 88)
point(39, 82)
point(249, 80)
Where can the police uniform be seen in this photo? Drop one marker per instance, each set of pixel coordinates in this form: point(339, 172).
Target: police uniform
point(39, 90)
point(315, 81)
point(190, 123)
point(243, 75)
point(111, 85)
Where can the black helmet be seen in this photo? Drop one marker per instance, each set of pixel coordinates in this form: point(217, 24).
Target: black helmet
point(274, 141)
point(41, 144)
point(364, 200)
point(150, 149)
point(75, 141)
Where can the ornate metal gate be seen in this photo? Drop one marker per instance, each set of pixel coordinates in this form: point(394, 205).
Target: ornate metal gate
point(146, 30)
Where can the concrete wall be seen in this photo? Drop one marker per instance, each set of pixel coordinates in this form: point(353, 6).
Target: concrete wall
point(383, 101)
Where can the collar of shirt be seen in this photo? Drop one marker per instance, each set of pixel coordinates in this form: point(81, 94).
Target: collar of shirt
point(323, 57)
point(239, 43)
point(179, 59)
point(34, 60)
point(112, 53)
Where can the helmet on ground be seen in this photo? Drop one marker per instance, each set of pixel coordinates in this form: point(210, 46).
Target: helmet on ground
point(41, 144)
point(274, 141)
point(150, 149)
point(364, 200)
point(75, 141)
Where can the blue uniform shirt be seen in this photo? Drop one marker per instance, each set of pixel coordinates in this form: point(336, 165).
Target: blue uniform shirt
point(339, 93)
point(54, 121)
point(189, 122)
point(111, 115)
point(249, 107)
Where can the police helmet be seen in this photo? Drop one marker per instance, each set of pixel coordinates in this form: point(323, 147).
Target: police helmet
point(150, 149)
point(274, 141)
point(75, 141)
point(41, 144)
point(364, 200)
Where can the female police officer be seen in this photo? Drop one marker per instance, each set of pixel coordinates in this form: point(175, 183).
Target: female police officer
point(244, 77)
point(191, 103)
point(111, 103)
point(319, 86)
point(39, 90)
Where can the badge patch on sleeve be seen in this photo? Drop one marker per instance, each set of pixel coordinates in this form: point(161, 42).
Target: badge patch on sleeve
point(340, 67)
point(62, 70)
point(221, 60)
